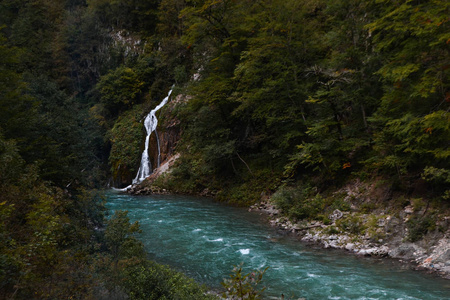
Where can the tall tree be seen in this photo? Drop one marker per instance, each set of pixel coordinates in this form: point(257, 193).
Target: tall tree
point(413, 37)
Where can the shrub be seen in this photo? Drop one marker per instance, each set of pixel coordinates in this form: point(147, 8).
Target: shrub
point(367, 207)
point(308, 208)
point(325, 219)
point(419, 226)
point(374, 231)
point(332, 230)
point(285, 198)
point(149, 280)
point(243, 286)
point(297, 203)
point(352, 224)
point(340, 204)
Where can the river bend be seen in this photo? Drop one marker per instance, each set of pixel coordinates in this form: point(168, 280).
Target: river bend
point(204, 239)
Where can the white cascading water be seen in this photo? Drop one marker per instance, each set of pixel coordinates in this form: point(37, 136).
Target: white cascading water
point(150, 123)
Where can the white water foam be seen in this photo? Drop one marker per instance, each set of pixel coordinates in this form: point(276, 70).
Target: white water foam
point(244, 251)
point(122, 190)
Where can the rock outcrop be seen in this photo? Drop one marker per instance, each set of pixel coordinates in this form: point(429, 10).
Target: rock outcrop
point(146, 187)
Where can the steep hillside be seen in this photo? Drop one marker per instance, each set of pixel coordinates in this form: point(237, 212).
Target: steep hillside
point(297, 101)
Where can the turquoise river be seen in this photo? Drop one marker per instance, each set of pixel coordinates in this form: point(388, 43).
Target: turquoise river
point(204, 239)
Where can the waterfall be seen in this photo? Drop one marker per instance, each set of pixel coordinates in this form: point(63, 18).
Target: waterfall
point(150, 123)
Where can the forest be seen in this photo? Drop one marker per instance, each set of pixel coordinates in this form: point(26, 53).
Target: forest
point(286, 97)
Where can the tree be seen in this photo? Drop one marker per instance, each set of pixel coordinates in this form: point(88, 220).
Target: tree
point(270, 79)
point(244, 286)
point(120, 237)
point(412, 37)
point(343, 94)
point(120, 89)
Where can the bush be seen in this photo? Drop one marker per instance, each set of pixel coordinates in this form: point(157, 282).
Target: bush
point(338, 203)
point(149, 280)
point(352, 224)
point(285, 198)
point(367, 207)
point(250, 191)
point(301, 203)
point(309, 208)
point(243, 286)
point(332, 230)
point(419, 226)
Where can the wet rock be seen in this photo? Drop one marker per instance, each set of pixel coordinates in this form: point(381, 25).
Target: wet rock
point(205, 193)
point(272, 211)
point(409, 210)
point(382, 251)
point(438, 259)
point(407, 251)
point(332, 237)
point(266, 208)
point(371, 252)
point(366, 252)
point(350, 246)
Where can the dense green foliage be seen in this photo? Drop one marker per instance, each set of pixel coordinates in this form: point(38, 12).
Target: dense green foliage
point(281, 93)
point(316, 91)
point(47, 235)
point(148, 280)
point(125, 138)
point(64, 99)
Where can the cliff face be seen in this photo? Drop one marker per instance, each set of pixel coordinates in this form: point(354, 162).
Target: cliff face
point(122, 176)
point(168, 132)
point(168, 135)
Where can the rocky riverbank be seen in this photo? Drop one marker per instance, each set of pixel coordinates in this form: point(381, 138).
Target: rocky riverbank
point(431, 253)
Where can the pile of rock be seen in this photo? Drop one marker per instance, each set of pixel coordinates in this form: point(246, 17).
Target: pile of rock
point(439, 259)
point(148, 190)
point(207, 193)
point(265, 207)
point(342, 241)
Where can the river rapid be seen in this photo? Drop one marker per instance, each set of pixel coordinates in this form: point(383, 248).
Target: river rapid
point(205, 239)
